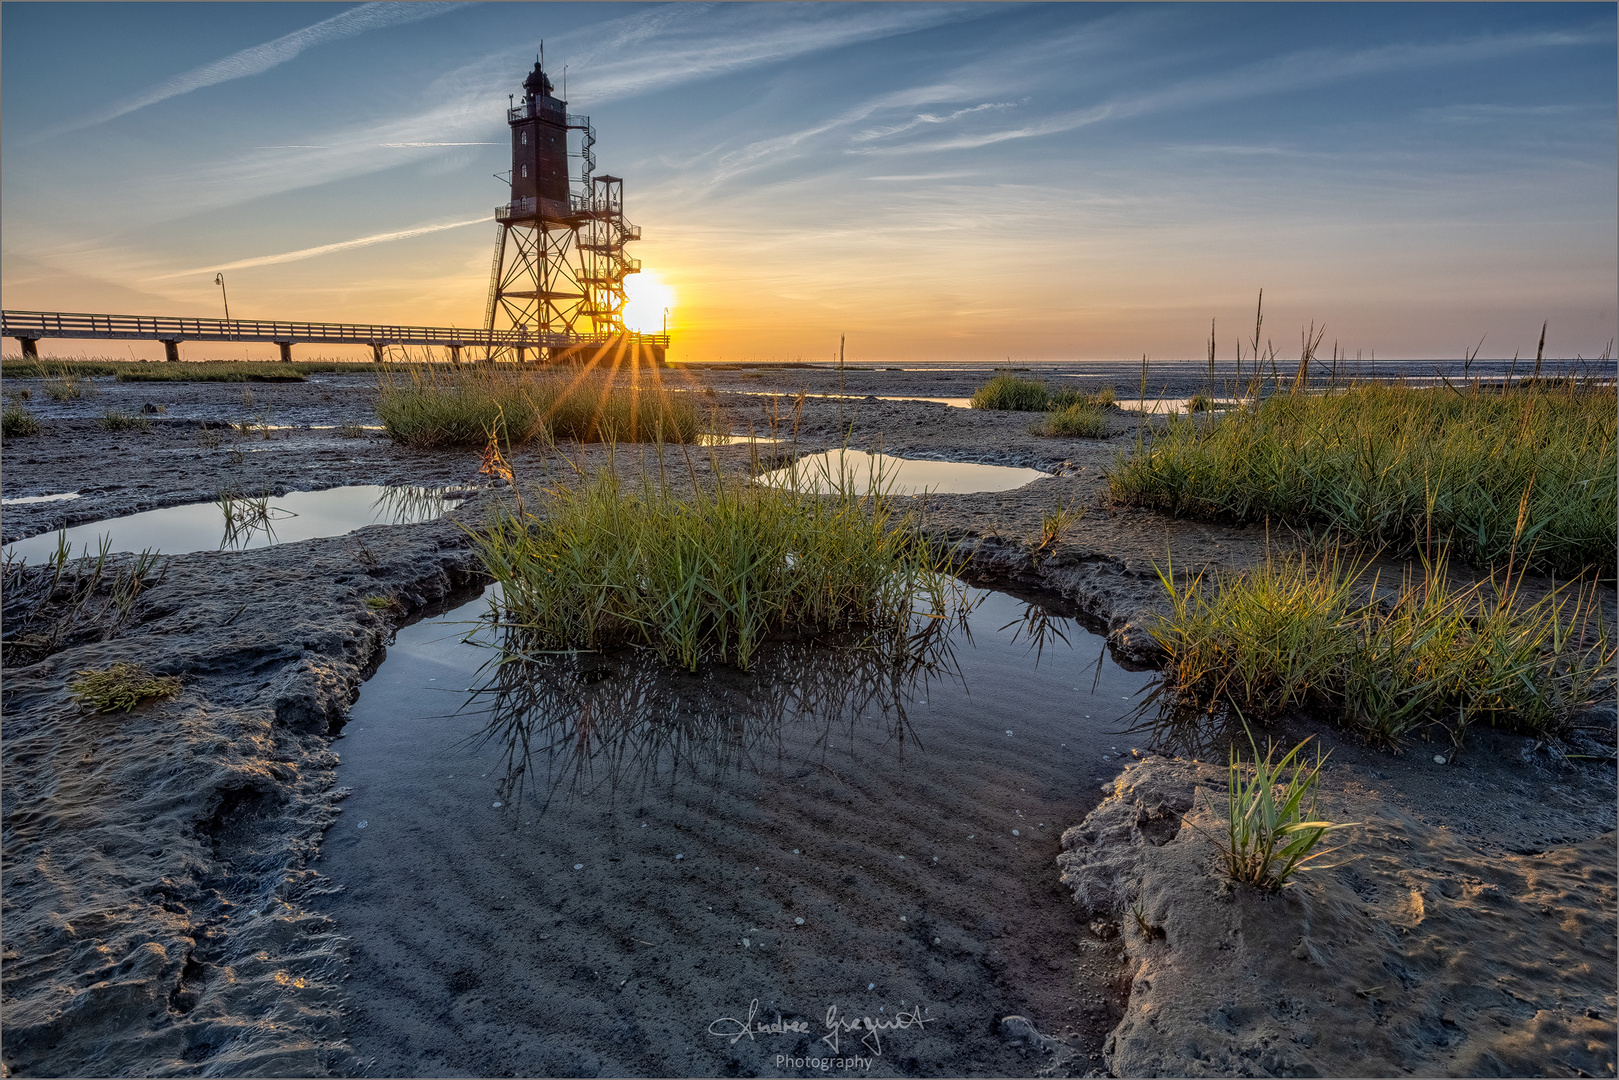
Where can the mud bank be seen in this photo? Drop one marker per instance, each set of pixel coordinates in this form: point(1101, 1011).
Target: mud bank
point(156, 862)
point(1465, 929)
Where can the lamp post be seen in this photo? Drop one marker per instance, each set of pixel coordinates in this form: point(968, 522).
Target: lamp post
point(665, 322)
point(219, 279)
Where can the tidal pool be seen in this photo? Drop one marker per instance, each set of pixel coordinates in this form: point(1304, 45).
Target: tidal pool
point(297, 515)
point(595, 865)
point(861, 471)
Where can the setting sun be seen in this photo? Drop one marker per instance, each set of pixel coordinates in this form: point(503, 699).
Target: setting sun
point(649, 298)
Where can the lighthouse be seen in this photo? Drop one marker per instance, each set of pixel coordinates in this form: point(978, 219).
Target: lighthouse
point(557, 280)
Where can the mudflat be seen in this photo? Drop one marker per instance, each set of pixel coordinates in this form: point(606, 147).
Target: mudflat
point(187, 888)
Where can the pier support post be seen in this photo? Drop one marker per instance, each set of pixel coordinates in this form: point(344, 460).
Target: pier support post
point(522, 354)
point(376, 352)
point(171, 351)
point(286, 351)
point(30, 348)
point(455, 354)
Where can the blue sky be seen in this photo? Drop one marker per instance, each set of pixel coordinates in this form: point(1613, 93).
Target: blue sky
point(936, 180)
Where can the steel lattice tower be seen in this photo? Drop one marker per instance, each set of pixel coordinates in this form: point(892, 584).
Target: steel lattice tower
point(557, 281)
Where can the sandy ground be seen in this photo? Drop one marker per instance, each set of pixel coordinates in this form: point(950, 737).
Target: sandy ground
point(161, 899)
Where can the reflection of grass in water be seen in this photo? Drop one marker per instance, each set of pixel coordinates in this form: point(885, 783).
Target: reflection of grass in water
point(583, 724)
point(246, 516)
point(709, 573)
point(407, 505)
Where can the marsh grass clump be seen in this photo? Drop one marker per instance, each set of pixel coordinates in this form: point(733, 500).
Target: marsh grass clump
point(16, 421)
point(433, 409)
point(65, 601)
point(113, 420)
point(1011, 393)
point(1199, 403)
point(121, 687)
point(1271, 822)
point(1103, 398)
point(351, 431)
point(1527, 478)
point(1083, 421)
point(708, 574)
point(1386, 659)
point(64, 387)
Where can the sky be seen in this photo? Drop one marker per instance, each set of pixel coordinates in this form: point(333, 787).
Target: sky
point(935, 181)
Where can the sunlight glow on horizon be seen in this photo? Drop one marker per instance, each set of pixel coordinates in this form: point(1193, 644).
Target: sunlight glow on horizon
point(649, 297)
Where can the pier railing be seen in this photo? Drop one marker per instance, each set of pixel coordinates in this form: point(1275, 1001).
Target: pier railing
point(30, 327)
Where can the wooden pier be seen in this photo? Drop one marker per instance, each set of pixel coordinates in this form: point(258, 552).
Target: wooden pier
point(30, 327)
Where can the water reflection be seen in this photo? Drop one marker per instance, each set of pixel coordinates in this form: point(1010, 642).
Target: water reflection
point(600, 726)
point(239, 522)
point(860, 471)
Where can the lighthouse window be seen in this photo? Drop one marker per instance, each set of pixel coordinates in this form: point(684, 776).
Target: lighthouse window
point(525, 170)
point(525, 138)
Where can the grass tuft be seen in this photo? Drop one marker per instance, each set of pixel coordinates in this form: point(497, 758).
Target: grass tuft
point(1528, 478)
point(1011, 393)
point(1084, 421)
point(120, 687)
point(709, 574)
point(351, 431)
point(1271, 825)
point(1387, 661)
point(433, 409)
point(113, 420)
point(16, 421)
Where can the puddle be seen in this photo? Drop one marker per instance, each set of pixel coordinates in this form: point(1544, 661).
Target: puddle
point(1178, 405)
point(27, 499)
point(297, 515)
point(733, 439)
point(901, 476)
point(599, 867)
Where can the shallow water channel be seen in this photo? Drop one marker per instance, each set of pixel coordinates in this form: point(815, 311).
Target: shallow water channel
point(202, 526)
point(596, 866)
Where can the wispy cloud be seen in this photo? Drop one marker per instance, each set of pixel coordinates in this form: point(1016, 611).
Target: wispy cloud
point(1299, 71)
point(928, 118)
point(648, 51)
point(326, 249)
point(261, 58)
